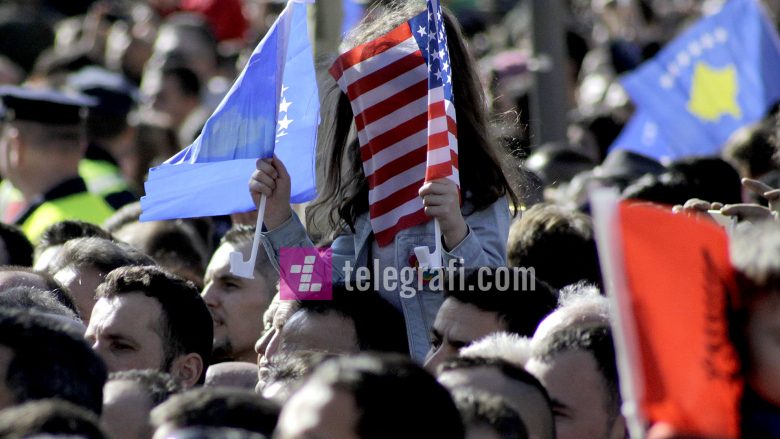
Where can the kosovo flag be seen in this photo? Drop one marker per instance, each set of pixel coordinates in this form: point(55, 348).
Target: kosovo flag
point(718, 76)
point(272, 108)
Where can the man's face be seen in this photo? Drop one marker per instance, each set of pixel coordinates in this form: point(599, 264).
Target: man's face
point(763, 334)
point(81, 282)
point(578, 393)
point(457, 325)
point(7, 398)
point(236, 305)
point(125, 331)
point(526, 399)
point(318, 411)
point(126, 408)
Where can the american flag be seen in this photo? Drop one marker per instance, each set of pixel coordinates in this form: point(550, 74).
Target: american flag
point(400, 89)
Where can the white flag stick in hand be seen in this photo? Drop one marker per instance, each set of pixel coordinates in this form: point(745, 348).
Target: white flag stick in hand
point(238, 265)
point(427, 259)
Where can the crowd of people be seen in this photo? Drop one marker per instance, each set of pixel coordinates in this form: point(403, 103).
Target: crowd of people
point(115, 328)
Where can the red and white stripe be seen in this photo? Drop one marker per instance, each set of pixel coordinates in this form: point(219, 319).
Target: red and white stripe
point(386, 81)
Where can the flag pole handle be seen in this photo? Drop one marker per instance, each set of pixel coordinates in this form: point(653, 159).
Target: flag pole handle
point(258, 229)
point(425, 258)
point(238, 266)
point(437, 258)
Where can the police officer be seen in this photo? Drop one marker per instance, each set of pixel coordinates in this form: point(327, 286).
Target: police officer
point(110, 138)
point(42, 141)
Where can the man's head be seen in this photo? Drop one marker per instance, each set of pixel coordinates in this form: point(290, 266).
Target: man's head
point(756, 320)
point(15, 248)
point(174, 245)
point(557, 242)
point(41, 137)
point(55, 236)
point(216, 407)
point(477, 307)
point(350, 323)
point(488, 416)
point(39, 359)
point(236, 303)
point(12, 276)
point(520, 389)
point(577, 365)
point(511, 348)
point(49, 418)
point(578, 305)
point(83, 263)
point(26, 298)
point(173, 91)
point(129, 397)
point(147, 318)
point(237, 374)
point(352, 397)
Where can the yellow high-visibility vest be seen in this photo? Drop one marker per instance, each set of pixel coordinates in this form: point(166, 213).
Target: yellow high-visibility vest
point(82, 206)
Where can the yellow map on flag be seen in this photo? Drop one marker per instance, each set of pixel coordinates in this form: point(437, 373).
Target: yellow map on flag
point(714, 93)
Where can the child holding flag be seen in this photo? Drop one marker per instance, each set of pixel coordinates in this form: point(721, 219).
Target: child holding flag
point(378, 192)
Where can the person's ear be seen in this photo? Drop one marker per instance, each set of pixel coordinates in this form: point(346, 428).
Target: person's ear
point(188, 369)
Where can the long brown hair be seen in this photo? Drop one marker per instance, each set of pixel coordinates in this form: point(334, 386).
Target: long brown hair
point(344, 189)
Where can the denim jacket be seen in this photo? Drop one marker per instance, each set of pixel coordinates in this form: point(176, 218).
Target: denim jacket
point(484, 245)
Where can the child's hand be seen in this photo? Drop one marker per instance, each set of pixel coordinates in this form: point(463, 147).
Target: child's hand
point(271, 179)
point(442, 201)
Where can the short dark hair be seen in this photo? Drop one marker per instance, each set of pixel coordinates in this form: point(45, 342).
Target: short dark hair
point(129, 213)
point(710, 179)
point(595, 340)
point(31, 298)
point(492, 411)
point(557, 242)
point(61, 232)
point(506, 368)
point(175, 245)
point(241, 234)
point(17, 246)
point(380, 384)
point(49, 362)
point(157, 384)
point(186, 78)
point(378, 325)
point(51, 416)
point(519, 310)
point(185, 320)
point(218, 407)
point(59, 291)
point(751, 149)
point(103, 254)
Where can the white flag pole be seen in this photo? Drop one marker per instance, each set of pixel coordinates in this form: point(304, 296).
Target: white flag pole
point(604, 205)
point(238, 266)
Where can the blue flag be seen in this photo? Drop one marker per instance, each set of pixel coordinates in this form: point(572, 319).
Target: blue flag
point(642, 135)
point(718, 76)
point(273, 107)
